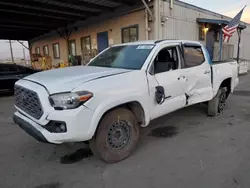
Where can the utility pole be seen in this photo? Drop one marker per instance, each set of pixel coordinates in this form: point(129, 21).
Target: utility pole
point(24, 57)
point(11, 51)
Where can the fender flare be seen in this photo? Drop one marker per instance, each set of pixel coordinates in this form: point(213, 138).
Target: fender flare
point(108, 105)
point(216, 89)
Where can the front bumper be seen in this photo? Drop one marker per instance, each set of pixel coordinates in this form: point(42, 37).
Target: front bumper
point(79, 126)
point(78, 122)
point(28, 128)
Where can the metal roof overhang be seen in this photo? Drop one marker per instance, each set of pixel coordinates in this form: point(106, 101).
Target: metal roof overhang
point(27, 19)
point(219, 22)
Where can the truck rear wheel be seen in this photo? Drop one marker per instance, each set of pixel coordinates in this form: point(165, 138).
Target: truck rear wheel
point(116, 137)
point(217, 105)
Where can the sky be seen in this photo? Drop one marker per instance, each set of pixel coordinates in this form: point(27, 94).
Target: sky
point(226, 7)
point(16, 47)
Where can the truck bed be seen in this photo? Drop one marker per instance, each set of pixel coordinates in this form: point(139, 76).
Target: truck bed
point(222, 70)
point(225, 61)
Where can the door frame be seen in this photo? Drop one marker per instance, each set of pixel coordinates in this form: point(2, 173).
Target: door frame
point(69, 47)
point(84, 56)
point(97, 40)
point(212, 43)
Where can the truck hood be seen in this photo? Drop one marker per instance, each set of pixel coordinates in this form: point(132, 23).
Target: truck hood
point(67, 79)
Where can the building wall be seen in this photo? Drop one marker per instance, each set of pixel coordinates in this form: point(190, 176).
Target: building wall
point(245, 43)
point(50, 41)
point(113, 26)
point(180, 22)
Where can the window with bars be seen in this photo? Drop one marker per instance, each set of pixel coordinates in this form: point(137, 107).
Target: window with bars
point(86, 45)
point(46, 50)
point(72, 47)
point(130, 34)
point(56, 51)
point(37, 50)
point(201, 33)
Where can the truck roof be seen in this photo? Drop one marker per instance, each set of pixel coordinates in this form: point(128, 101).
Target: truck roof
point(154, 42)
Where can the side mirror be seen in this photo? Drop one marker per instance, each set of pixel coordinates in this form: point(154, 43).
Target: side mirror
point(160, 94)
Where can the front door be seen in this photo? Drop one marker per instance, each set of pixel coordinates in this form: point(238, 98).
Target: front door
point(210, 38)
point(167, 74)
point(197, 71)
point(102, 41)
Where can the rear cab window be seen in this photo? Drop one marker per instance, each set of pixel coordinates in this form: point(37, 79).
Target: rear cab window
point(193, 56)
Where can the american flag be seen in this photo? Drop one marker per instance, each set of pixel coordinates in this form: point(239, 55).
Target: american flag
point(229, 30)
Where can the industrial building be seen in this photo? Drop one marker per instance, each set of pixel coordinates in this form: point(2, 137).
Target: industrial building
point(85, 28)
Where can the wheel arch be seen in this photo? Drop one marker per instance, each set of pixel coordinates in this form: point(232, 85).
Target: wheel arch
point(227, 83)
point(134, 106)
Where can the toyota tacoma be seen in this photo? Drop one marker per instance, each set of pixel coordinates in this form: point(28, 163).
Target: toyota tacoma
point(120, 90)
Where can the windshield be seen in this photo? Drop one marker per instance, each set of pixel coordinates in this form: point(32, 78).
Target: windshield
point(126, 57)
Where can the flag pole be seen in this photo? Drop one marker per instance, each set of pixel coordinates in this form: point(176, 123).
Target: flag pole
point(239, 39)
point(231, 27)
point(221, 43)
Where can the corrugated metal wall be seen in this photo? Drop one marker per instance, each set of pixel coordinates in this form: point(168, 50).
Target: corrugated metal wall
point(180, 23)
point(245, 44)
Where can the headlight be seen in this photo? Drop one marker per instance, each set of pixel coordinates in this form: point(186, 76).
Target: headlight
point(69, 100)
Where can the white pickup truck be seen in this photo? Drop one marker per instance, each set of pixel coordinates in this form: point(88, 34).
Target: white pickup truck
point(123, 88)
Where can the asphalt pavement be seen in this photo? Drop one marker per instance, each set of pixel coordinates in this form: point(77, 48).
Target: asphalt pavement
point(185, 149)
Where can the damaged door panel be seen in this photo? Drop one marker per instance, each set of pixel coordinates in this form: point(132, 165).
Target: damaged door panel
point(197, 71)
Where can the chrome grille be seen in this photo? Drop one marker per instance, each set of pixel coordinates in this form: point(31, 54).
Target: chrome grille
point(28, 101)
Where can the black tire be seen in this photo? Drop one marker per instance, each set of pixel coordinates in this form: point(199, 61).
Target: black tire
point(217, 105)
point(106, 144)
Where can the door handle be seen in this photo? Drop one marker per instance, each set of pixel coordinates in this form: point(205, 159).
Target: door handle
point(207, 72)
point(183, 77)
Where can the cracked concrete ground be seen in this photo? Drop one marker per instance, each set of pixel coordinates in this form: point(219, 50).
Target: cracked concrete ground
point(194, 151)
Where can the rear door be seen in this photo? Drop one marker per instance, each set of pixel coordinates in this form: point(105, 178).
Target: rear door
point(197, 72)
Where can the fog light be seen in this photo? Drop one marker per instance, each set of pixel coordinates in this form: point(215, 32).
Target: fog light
point(63, 127)
point(56, 127)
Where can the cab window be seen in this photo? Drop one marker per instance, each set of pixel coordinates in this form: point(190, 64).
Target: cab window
point(166, 60)
point(193, 56)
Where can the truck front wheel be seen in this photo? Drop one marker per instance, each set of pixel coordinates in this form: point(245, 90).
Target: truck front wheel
point(217, 104)
point(116, 137)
